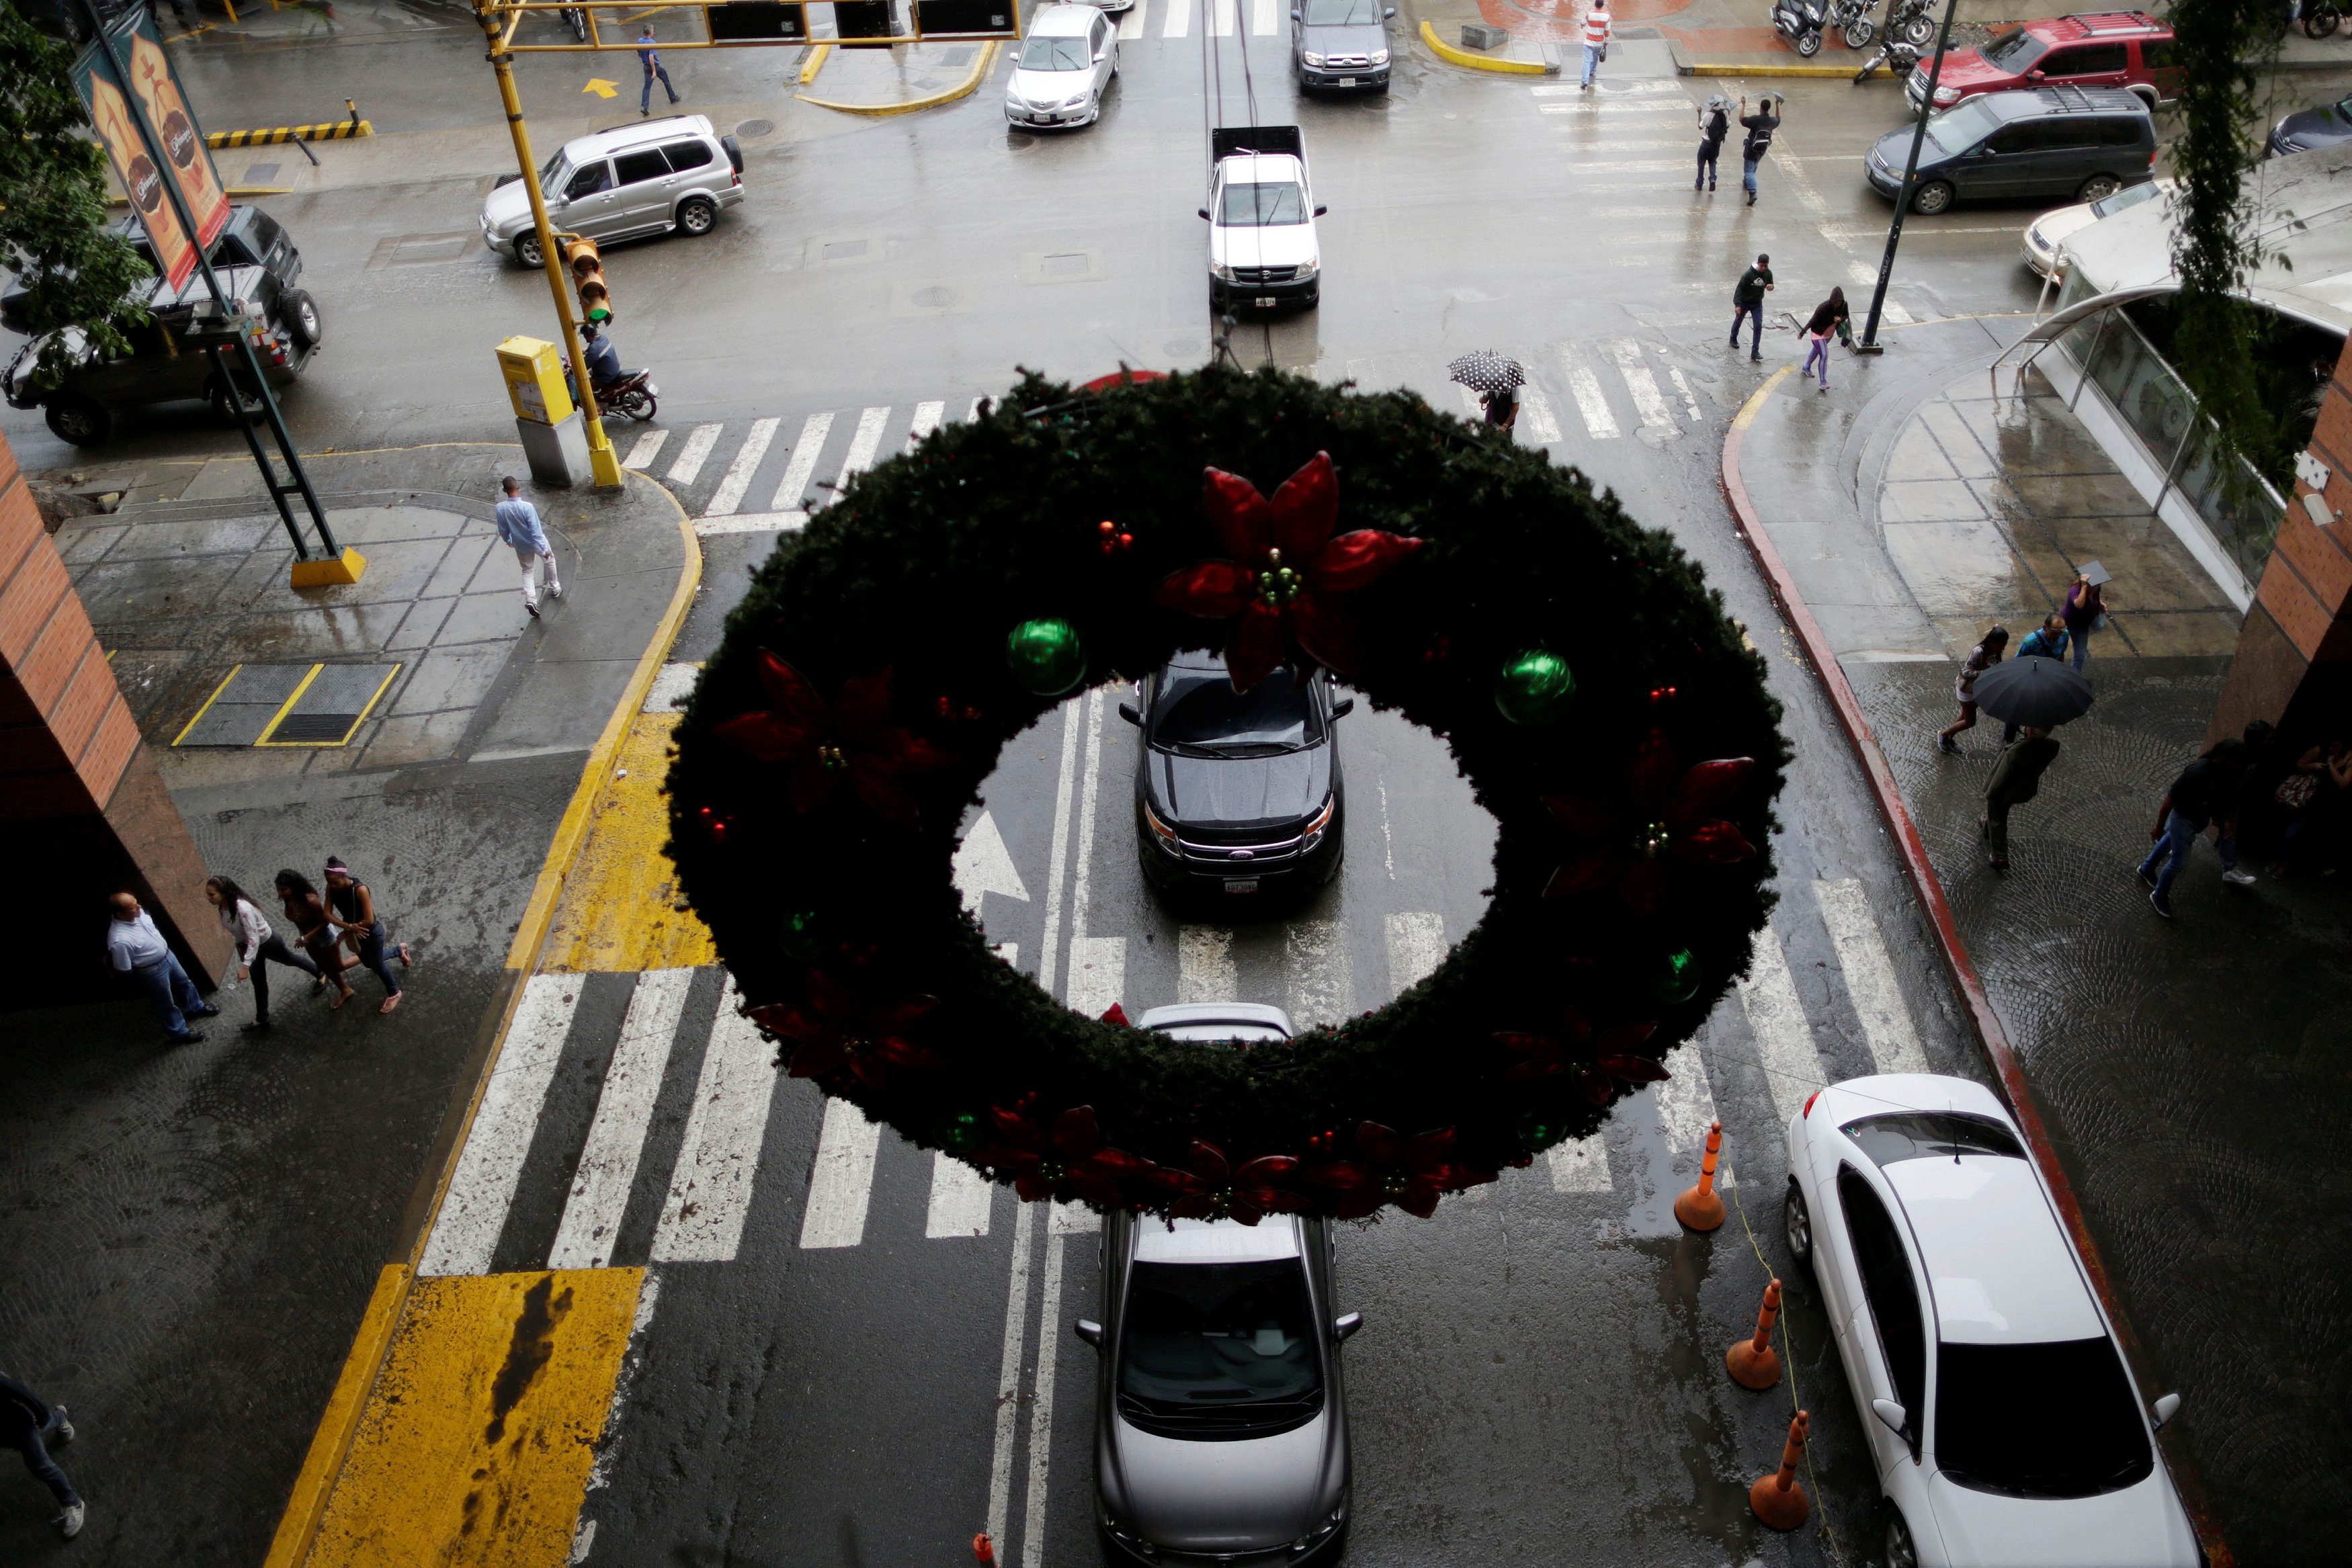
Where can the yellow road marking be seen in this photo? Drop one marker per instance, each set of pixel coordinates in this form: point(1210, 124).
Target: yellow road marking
point(328, 1443)
point(617, 913)
point(1755, 403)
point(476, 1445)
point(288, 706)
point(208, 703)
point(602, 87)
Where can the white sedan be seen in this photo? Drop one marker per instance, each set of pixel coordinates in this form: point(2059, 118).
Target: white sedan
point(2046, 236)
point(2001, 1416)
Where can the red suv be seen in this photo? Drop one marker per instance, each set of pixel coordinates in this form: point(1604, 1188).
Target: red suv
point(2105, 48)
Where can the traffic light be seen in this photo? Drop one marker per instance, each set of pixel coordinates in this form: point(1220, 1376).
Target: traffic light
point(588, 279)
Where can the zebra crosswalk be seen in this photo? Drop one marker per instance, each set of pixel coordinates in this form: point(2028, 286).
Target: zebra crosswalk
point(631, 1187)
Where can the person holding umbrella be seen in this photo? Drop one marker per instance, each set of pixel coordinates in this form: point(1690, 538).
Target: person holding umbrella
point(1714, 125)
point(2016, 779)
point(1497, 379)
point(2034, 695)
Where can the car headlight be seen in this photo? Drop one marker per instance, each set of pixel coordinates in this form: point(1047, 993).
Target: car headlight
point(1948, 95)
point(1118, 1531)
point(1380, 57)
point(1310, 56)
point(1308, 269)
point(1161, 833)
point(1322, 1532)
point(1075, 99)
point(1223, 274)
point(1322, 818)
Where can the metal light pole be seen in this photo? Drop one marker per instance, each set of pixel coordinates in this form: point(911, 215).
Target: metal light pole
point(300, 483)
point(1870, 344)
point(602, 465)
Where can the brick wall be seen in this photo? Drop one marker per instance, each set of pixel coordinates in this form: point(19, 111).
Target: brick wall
point(83, 813)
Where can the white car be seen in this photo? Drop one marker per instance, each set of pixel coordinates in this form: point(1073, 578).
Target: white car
point(2003, 1418)
point(2046, 236)
point(1263, 252)
point(1064, 65)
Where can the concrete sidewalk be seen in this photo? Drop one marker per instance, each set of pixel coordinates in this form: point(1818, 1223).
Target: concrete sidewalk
point(197, 1231)
point(2183, 1070)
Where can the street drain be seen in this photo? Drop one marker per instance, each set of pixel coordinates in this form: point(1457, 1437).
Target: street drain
point(1066, 265)
point(842, 250)
point(751, 129)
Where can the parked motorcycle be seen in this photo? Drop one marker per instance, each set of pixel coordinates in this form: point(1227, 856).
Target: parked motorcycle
point(1894, 54)
point(2320, 19)
point(1913, 21)
point(1800, 22)
point(1852, 18)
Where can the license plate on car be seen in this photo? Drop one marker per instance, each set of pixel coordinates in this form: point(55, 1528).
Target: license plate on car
point(1264, 303)
point(1347, 81)
point(1248, 884)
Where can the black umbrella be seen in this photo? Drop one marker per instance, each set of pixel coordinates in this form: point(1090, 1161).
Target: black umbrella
point(1486, 370)
point(2034, 691)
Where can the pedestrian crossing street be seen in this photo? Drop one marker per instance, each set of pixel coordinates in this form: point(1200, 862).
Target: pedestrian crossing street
point(768, 474)
point(683, 1144)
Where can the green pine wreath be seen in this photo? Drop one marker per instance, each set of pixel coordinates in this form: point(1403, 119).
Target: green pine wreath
point(1606, 711)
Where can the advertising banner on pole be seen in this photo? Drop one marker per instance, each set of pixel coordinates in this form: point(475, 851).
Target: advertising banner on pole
point(188, 162)
point(109, 111)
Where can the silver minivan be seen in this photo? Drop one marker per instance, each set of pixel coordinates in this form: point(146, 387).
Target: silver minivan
point(643, 179)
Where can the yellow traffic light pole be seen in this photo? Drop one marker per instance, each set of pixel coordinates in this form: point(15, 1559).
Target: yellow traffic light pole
point(602, 463)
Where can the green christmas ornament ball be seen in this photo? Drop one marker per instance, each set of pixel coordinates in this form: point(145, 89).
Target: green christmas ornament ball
point(1535, 688)
point(797, 936)
point(1675, 978)
point(1047, 657)
point(962, 1132)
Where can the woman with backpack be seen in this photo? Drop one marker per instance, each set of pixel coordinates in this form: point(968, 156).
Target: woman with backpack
point(1829, 317)
point(1714, 125)
point(1981, 657)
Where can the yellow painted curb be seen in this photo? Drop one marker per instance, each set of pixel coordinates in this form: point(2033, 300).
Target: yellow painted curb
point(1454, 56)
point(815, 63)
point(619, 911)
point(337, 131)
point(961, 89)
point(1705, 70)
point(331, 1445)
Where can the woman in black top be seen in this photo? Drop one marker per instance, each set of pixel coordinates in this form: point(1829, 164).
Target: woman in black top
point(352, 909)
point(1827, 316)
point(306, 912)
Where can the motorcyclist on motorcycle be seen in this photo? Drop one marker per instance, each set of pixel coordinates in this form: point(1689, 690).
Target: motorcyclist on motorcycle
point(629, 393)
point(603, 359)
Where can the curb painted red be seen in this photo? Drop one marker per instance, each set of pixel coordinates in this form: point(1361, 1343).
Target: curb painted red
point(2008, 1073)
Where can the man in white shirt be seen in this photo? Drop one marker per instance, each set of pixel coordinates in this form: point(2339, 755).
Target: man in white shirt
point(1596, 40)
point(518, 524)
point(136, 948)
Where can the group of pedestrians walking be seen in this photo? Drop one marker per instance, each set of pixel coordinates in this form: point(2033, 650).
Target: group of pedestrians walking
point(337, 927)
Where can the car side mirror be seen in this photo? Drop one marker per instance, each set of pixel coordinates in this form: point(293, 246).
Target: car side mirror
point(1343, 707)
point(2165, 1408)
point(1320, 211)
point(1128, 711)
point(2034, 76)
point(1892, 1414)
point(1204, 212)
point(1345, 1324)
point(1389, 15)
point(1296, 18)
point(1089, 1330)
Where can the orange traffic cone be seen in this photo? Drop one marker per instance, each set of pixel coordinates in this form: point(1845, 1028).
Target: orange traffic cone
point(1754, 1362)
point(984, 1550)
point(1700, 1209)
point(1777, 1499)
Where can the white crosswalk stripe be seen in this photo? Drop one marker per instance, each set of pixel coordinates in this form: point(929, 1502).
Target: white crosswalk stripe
point(1784, 1040)
point(927, 420)
point(1641, 384)
point(1535, 412)
point(1205, 965)
point(1322, 980)
point(1585, 387)
point(710, 1191)
point(730, 494)
point(1225, 18)
point(608, 1165)
point(1262, 18)
point(474, 1211)
point(1179, 19)
point(1131, 27)
point(961, 1197)
point(792, 491)
point(691, 456)
point(1869, 977)
point(1416, 946)
point(648, 447)
point(863, 445)
point(843, 1179)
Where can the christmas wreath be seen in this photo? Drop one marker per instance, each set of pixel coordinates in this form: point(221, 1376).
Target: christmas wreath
point(1606, 712)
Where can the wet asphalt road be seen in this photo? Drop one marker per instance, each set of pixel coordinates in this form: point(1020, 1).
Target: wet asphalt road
point(1540, 1378)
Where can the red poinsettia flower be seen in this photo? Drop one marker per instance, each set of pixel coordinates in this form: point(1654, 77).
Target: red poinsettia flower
point(1667, 815)
point(837, 1031)
point(1285, 569)
point(1066, 1161)
point(1612, 1056)
point(1213, 1189)
point(1413, 1173)
point(820, 743)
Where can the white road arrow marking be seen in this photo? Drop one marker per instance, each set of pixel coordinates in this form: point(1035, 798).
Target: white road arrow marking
point(983, 864)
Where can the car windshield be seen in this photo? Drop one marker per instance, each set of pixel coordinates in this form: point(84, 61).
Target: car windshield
point(1260, 207)
point(1198, 710)
point(1215, 1350)
point(1055, 55)
point(551, 173)
point(2344, 108)
point(1961, 127)
point(2038, 1420)
point(1929, 1134)
point(2130, 196)
point(1342, 13)
point(2015, 50)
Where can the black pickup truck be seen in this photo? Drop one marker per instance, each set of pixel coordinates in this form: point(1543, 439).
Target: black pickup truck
point(257, 265)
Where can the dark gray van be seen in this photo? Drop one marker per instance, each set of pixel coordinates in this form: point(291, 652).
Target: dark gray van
point(2049, 143)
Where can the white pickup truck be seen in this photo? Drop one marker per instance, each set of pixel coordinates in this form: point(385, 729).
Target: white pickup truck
point(1263, 252)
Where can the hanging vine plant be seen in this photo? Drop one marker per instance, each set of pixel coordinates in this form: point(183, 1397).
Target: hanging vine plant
point(1605, 710)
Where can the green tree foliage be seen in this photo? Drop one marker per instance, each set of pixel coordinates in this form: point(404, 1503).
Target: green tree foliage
point(53, 202)
point(2218, 44)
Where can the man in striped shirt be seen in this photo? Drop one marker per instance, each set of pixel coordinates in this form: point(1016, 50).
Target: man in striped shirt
point(1596, 39)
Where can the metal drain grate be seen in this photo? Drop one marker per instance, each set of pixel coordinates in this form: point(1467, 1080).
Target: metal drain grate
point(314, 729)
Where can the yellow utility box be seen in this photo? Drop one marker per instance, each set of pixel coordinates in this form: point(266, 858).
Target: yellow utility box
point(534, 374)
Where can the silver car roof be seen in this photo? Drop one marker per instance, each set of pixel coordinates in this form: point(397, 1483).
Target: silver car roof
point(621, 138)
point(1252, 1021)
point(1062, 21)
point(1271, 1240)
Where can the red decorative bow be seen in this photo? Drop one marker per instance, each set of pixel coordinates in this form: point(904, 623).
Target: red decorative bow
point(1065, 1162)
point(1542, 1056)
point(1411, 1173)
point(1213, 1189)
point(1284, 568)
point(1667, 815)
point(820, 743)
point(837, 1031)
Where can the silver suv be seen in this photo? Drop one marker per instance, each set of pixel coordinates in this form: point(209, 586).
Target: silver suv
point(643, 179)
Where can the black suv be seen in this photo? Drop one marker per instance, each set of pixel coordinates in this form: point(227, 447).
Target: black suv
point(2050, 144)
point(257, 265)
point(1238, 792)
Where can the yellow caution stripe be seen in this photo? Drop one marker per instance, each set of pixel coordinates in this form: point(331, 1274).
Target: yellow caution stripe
point(618, 912)
point(340, 130)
